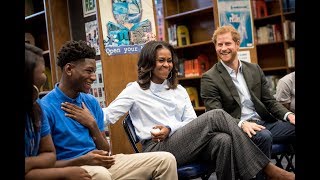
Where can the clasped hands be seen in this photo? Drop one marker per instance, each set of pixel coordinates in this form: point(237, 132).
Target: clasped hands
point(162, 134)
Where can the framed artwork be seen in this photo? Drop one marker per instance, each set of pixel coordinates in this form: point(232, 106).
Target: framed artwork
point(97, 88)
point(238, 14)
point(89, 7)
point(92, 36)
point(127, 25)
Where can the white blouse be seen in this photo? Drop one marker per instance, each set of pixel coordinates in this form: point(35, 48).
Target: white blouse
point(155, 106)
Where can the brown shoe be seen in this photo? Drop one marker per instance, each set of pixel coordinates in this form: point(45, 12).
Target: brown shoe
point(275, 173)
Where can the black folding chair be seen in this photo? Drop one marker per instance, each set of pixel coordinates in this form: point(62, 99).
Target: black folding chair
point(185, 172)
point(281, 151)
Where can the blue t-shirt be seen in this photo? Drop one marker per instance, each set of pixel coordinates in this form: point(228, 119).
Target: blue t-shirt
point(71, 139)
point(32, 137)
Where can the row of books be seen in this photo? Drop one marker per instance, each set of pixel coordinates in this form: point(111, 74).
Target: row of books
point(290, 53)
point(172, 35)
point(269, 33)
point(289, 30)
point(178, 35)
point(194, 67)
point(289, 5)
point(259, 8)
point(193, 94)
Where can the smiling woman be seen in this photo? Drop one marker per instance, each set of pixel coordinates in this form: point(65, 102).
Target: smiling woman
point(156, 62)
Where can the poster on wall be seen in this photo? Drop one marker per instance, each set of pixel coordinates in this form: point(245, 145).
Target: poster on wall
point(160, 20)
point(238, 14)
point(97, 88)
point(89, 7)
point(126, 25)
point(92, 36)
point(244, 56)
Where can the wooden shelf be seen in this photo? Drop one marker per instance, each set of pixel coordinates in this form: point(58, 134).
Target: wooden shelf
point(275, 68)
point(189, 78)
point(269, 43)
point(190, 13)
point(36, 25)
point(35, 15)
point(201, 108)
point(272, 56)
point(46, 52)
point(289, 13)
point(198, 17)
point(272, 16)
point(194, 45)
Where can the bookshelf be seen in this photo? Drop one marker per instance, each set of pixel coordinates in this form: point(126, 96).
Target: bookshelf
point(36, 33)
point(198, 17)
point(201, 18)
point(47, 27)
point(275, 32)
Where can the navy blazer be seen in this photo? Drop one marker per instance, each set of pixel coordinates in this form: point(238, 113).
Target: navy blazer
point(219, 92)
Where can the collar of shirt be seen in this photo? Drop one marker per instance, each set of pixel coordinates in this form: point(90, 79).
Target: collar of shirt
point(230, 70)
point(65, 98)
point(158, 87)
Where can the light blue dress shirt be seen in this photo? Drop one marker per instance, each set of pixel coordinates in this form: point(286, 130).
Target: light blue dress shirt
point(247, 107)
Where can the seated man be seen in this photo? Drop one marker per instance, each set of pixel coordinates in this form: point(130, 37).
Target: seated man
point(240, 88)
point(285, 91)
point(77, 127)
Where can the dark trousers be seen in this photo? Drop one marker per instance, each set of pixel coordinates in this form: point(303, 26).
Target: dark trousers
point(282, 132)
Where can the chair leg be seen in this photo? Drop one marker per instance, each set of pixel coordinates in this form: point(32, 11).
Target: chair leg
point(290, 166)
point(289, 158)
point(278, 160)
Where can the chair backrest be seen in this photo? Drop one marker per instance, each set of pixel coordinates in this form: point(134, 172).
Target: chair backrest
point(129, 129)
point(188, 171)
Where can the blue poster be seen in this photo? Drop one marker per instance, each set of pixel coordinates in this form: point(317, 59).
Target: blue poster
point(126, 25)
point(238, 14)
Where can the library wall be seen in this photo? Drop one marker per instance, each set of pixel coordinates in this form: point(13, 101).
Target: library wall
point(272, 24)
point(64, 20)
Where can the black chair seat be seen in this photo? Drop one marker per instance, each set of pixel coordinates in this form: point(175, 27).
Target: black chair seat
point(194, 170)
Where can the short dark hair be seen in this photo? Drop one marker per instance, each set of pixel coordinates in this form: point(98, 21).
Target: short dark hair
point(74, 51)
